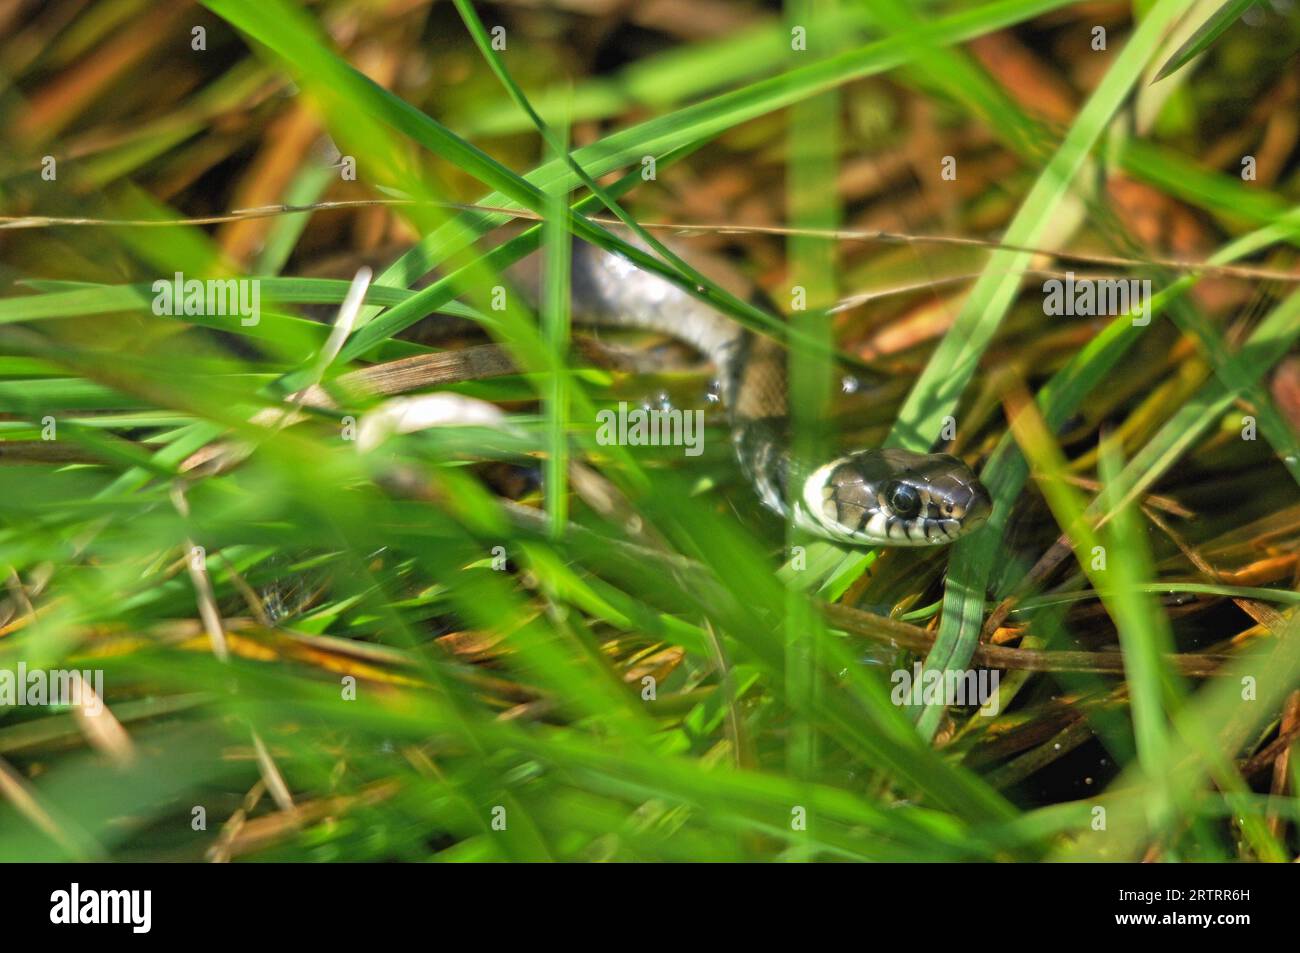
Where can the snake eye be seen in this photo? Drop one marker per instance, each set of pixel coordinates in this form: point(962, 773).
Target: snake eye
point(903, 499)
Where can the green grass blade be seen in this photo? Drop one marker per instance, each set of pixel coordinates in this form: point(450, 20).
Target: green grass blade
point(1215, 25)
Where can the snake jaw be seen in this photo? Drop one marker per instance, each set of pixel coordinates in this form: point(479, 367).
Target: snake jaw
point(893, 498)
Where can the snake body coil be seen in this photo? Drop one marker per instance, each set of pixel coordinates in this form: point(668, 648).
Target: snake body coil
point(870, 497)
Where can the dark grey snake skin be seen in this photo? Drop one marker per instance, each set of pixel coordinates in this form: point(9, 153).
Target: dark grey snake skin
point(868, 497)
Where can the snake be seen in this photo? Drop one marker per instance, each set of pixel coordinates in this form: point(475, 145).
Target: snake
point(868, 497)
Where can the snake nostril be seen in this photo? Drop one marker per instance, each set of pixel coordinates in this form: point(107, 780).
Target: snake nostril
point(981, 505)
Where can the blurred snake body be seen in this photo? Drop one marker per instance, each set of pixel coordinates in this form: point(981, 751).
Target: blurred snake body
point(885, 497)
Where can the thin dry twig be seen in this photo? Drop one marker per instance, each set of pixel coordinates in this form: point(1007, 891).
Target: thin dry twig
point(1249, 272)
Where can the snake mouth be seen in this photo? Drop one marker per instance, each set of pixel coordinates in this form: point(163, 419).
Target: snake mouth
point(894, 498)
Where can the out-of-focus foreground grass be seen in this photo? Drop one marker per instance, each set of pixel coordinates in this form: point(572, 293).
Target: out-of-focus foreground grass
point(308, 651)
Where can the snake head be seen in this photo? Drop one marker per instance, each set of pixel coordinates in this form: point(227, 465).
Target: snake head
point(894, 498)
